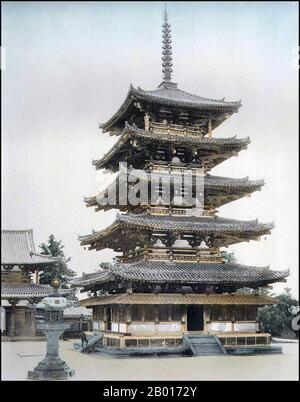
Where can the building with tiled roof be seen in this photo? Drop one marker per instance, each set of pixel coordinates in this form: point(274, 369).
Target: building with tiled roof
point(17, 248)
point(170, 288)
point(20, 262)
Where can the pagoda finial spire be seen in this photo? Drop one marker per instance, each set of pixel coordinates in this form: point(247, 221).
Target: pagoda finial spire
point(166, 48)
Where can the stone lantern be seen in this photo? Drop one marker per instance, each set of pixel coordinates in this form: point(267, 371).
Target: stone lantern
point(52, 367)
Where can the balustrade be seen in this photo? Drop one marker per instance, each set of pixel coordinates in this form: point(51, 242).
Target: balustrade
point(211, 255)
point(164, 211)
point(166, 129)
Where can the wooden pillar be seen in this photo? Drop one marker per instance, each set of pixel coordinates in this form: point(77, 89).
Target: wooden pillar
point(37, 277)
point(156, 313)
point(122, 342)
point(128, 313)
point(232, 317)
point(206, 317)
point(209, 127)
point(142, 312)
point(184, 318)
point(147, 121)
point(11, 331)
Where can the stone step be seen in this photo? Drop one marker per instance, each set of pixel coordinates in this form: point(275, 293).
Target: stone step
point(205, 345)
point(202, 342)
point(92, 341)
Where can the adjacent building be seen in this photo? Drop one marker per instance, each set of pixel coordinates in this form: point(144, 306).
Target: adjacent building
point(20, 288)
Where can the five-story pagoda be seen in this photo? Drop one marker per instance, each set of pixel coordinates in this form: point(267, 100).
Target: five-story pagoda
point(171, 289)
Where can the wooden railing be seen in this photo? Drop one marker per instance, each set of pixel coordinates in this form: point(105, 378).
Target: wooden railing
point(211, 255)
point(165, 129)
point(173, 211)
point(244, 339)
point(15, 277)
point(183, 255)
point(175, 169)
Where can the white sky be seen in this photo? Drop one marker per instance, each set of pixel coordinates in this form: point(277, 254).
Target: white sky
point(68, 66)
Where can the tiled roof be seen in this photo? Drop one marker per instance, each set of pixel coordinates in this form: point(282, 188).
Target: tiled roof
point(17, 247)
point(104, 275)
point(204, 143)
point(21, 303)
point(171, 96)
point(76, 312)
point(188, 273)
point(177, 138)
point(210, 182)
point(202, 226)
point(218, 181)
point(173, 298)
point(27, 291)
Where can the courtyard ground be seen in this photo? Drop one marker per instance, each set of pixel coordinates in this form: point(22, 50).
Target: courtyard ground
point(19, 357)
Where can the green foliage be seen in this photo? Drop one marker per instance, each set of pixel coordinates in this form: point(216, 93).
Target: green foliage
point(229, 257)
point(258, 291)
point(105, 265)
point(59, 270)
point(277, 319)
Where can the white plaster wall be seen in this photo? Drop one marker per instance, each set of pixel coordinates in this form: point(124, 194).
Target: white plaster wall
point(151, 327)
point(114, 327)
point(98, 325)
point(122, 328)
point(169, 327)
point(138, 328)
point(3, 319)
point(219, 326)
point(245, 326)
point(95, 326)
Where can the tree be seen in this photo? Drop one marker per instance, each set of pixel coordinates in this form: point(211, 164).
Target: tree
point(59, 270)
point(105, 265)
point(277, 319)
point(229, 257)
point(258, 291)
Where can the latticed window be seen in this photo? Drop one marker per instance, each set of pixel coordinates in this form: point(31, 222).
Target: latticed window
point(163, 312)
point(250, 313)
point(149, 312)
point(98, 313)
point(221, 313)
point(136, 312)
point(175, 312)
point(122, 313)
point(114, 313)
point(245, 313)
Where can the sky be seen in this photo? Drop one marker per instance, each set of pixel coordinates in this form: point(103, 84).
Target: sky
point(67, 66)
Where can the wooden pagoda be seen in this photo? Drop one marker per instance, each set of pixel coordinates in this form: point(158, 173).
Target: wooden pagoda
point(170, 288)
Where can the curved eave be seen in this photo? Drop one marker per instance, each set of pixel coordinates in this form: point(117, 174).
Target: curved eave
point(205, 104)
point(129, 131)
point(120, 112)
point(18, 248)
point(235, 231)
point(180, 299)
point(101, 276)
point(137, 94)
point(39, 264)
point(228, 186)
point(182, 273)
point(24, 291)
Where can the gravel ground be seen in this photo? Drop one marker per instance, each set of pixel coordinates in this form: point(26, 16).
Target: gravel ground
point(19, 357)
